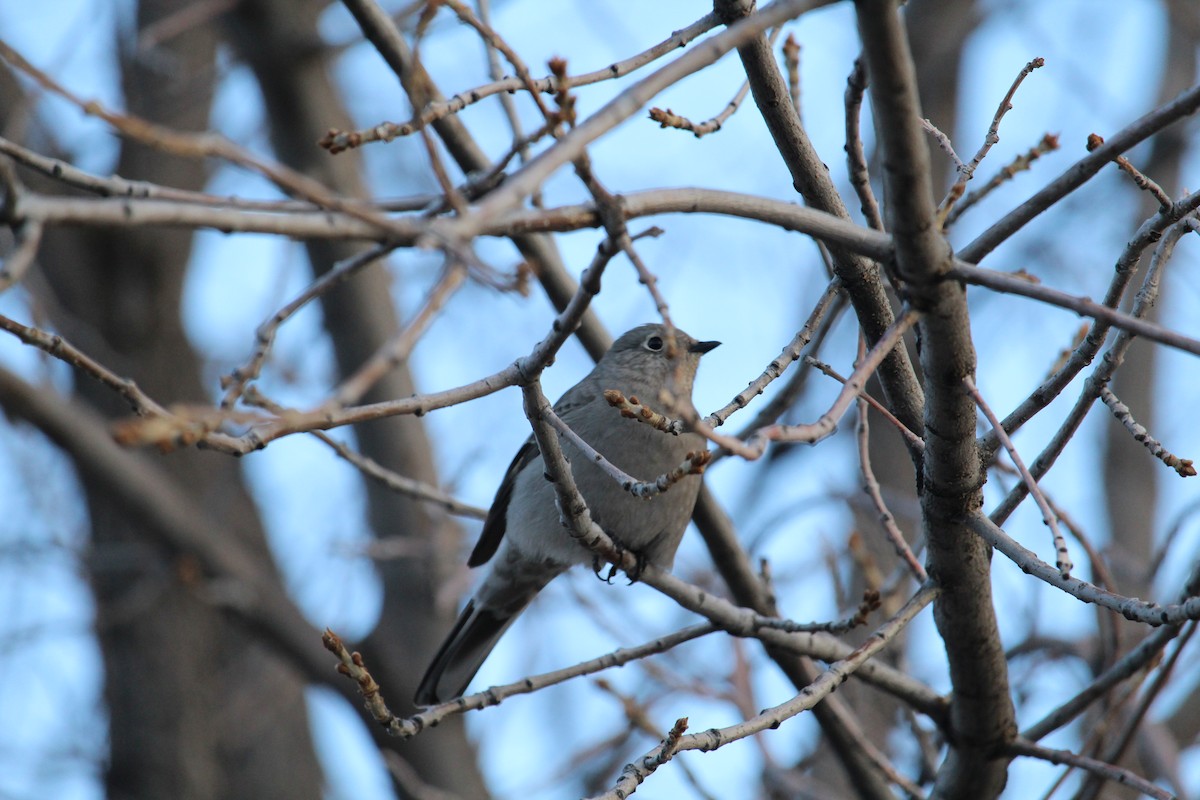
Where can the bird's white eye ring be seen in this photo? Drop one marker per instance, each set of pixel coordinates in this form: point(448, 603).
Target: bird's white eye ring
point(654, 343)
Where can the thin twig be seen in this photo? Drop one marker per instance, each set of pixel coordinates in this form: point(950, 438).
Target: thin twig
point(1116, 750)
point(236, 381)
point(202, 145)
point(943, 141)
point(393, 481)
point(791, 58)
point(1131, 608)
point(1109, 772)
point(495, 41)
point(692, 464)
point(856, 159)
point(913, 440)
point(1148, 650)
point(116, 186)
point(792, 388)
point(1140, 180)
point(1184, 466)
point(397, 349)
point(407, 728)
point(637, 772)
point(29, 239)
point(826, 424)
point(1080, 172)
point(336, 141)
point(1022, 163)
point(871, 486)
point(669, 119)
point(63, 350)
point(1102, 374)
point(967, 171)
point(1062, 557)
point(789, 355)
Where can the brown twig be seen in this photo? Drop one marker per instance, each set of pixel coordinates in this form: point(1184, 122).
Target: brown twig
point(337, 141)
point(669, 119)
point(351, 665)
point(910, 437)
point(116, 186)
point(1116, 749)
point(791, 59)
point(63, 350)
point(28, 240)
point(236, 381)
point(871, 486)
point(943, 142)
point(202, 145)
point(1022, 163)
point(1095, 140)
point(1131, 608)
point(856, 159)
point(397, 349)
point(637, 772)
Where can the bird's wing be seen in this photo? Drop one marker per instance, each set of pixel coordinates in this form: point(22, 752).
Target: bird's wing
point(497, 517)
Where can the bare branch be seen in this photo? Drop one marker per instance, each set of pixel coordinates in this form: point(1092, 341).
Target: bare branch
point(871, 486)
point(1130, 607)
point(756, 445)
point(714, 738)
point(856, 159)
point(235, 382)
point(1110, 772)
point(1095, 140)
point(693, 463)
point(1183, 466)
point(967, 171)
point(1022, 163)
point(493, 696)
point(1081, 172)
point(337, 141)
point(1063, 558)
point(790, 354)
point(669, 119)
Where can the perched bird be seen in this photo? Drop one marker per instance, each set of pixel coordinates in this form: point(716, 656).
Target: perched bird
point(523, 531)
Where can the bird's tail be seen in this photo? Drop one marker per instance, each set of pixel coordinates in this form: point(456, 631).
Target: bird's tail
point(479, 627)
point(462, 654)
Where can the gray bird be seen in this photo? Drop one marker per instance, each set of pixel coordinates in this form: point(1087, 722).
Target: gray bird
point(523, 529)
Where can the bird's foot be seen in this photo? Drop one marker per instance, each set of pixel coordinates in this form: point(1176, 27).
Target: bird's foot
point(639, 563)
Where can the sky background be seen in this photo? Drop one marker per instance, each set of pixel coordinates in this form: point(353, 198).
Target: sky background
point(745, 284)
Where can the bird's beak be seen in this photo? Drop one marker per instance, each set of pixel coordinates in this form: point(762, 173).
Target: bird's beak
point(703, 347)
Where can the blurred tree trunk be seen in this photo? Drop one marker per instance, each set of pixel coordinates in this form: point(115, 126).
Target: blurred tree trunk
point(279, 40)
point(1131, 475)
point(939, 32)
point(198, 708)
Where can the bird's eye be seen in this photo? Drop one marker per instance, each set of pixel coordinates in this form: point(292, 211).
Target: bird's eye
point(654, 343)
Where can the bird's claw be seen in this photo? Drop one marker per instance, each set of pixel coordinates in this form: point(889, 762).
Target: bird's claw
point(598, 565)
point(639, 564)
